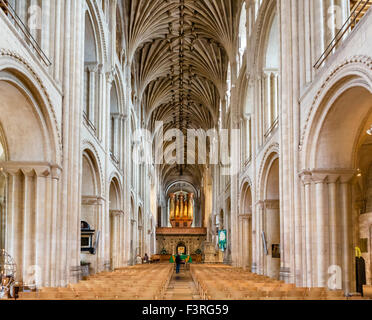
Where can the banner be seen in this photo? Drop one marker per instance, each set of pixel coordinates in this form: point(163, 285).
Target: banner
point(222, 236)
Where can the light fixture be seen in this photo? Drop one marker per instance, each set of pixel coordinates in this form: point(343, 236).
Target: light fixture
point(359, 173)
point(369, 131)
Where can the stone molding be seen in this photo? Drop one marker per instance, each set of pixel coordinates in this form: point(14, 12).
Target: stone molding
point(327, 175)
point(92, 200)
point(181, 231)
point(51, 111)
point(40, 169)
point(245, 215)
point(260, 205)
point(366, 63)
point(272, 204)
point(116, 213)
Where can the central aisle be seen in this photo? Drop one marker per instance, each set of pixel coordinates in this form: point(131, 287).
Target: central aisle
point(181, 287)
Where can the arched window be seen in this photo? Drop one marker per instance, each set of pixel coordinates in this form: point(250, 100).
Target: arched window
point(271, 77)
point(242, 35)
point(90, 74)
point(247, 118)
point(114, 123)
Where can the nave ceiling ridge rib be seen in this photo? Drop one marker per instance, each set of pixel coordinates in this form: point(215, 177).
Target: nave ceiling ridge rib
point(202, 58)
point(180, 52)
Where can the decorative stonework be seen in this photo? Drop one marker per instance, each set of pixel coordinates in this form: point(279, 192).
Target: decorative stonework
point(364, 61)
point(181, 231)
point(23, 61)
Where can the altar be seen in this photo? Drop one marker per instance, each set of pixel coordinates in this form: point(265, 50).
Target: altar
point(185, 258)
point(186, 241)
point(181, 238)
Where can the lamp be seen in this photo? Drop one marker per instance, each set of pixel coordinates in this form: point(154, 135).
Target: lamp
point(359, 173)
point(369, 131)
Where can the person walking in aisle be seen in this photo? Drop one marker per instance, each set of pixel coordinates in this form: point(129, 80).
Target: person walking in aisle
point(178, 263)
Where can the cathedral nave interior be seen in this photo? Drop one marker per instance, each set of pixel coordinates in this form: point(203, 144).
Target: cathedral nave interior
point(235, 133)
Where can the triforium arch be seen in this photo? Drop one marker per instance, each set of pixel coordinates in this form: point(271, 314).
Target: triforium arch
point(29, 174)
point(95, 57)
point(267, 57)
point(335, 176)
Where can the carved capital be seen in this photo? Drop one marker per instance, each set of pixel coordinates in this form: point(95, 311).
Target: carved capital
point(305, 177)
point(116, 213)
point(56, 172)
point(272, 204)
point(92, 67)
point(260, 205)
point(92, 200)
point(332, 175)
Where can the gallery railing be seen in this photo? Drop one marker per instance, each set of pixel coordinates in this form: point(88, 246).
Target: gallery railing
point(12, 15)
point(357, 12)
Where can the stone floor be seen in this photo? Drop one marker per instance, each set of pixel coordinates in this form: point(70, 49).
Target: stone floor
point(182, 287)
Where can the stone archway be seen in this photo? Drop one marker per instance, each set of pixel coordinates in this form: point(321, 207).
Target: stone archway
point(336, 188)
point(92, 209)
point(115, 225)
point(271, 219)
point(28, 181)
point(245, 227)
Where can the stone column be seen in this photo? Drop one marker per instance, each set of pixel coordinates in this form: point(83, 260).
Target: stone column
point(259, 229)
point(347, 244)
point(92, 76)
point(30, 218)
point(246, 243)
point(307, 219)
point(322, 234)
point(115, 238)
point(56, 174)
point(333, 220)
point(272, 232)
point(254, 240)
point(267, 104)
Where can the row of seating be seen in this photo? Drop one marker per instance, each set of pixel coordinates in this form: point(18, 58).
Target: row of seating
point(219, 282)
point(140, 282)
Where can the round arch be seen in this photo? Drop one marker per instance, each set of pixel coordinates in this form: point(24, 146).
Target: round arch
point(323, 150)
point(29, 131)
point(91, 177)
point(342, 112)
point(269, 191)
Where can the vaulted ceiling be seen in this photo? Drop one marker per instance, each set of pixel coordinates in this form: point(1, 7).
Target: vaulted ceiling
point(179, 51)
